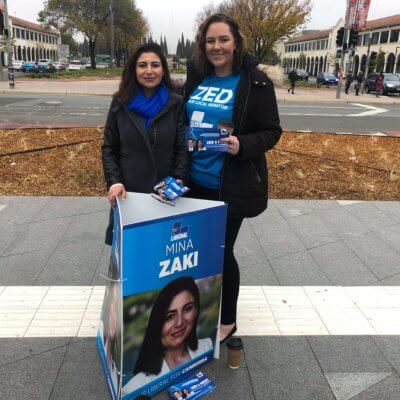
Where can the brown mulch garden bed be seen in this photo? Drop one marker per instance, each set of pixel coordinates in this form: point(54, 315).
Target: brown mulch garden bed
point(303, 166)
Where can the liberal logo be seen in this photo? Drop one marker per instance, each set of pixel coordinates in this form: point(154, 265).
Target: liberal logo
point(179, 231)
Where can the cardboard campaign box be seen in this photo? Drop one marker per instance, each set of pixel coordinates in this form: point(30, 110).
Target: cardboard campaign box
point(160, 315)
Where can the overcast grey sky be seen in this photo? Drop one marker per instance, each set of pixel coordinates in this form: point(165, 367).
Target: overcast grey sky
point(171, 17)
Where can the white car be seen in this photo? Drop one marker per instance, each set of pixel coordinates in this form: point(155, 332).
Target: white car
point(17, 65)
point(76, 65)
point(58, 66)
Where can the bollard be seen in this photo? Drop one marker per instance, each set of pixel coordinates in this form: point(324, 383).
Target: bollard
point(11, 80)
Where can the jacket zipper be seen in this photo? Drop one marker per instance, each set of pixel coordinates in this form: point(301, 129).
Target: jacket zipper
point(240, 127)
point(255, 170)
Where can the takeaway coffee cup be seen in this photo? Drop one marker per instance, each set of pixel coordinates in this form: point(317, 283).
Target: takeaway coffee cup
point(235, 349)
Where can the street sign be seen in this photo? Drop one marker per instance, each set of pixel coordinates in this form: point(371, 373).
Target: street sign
point(63, 51)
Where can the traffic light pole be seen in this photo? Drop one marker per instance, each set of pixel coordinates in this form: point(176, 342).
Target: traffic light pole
point(341, 65)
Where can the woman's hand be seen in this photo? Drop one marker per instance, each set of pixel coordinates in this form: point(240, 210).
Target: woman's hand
point(233, 144)
point(114, 191)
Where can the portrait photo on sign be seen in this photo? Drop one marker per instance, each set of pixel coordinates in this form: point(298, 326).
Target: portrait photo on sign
point(110, 328)
point(166, 328)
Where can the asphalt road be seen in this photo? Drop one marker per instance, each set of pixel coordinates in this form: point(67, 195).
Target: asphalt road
point(83, 110)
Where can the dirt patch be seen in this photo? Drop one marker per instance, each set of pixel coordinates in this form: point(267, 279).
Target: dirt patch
point(303, 166)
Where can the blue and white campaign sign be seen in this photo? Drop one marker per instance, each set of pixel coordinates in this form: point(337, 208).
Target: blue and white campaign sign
point(166, 270)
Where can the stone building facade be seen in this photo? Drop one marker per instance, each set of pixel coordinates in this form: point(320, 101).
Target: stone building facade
point(31, 42)
point(317, 52)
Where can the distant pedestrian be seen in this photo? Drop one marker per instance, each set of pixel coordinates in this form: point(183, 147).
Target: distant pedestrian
point(379, 84)
point(360, 80)
point(292, 78)
point(349, 79)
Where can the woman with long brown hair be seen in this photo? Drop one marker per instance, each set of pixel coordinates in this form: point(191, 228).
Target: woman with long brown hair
point(224, 88)
point(144, 138)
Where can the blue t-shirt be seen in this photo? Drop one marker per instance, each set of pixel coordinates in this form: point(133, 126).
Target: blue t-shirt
point(210, 103)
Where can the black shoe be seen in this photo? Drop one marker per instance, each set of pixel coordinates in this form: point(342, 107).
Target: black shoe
point(233, 330)
point(288, 90)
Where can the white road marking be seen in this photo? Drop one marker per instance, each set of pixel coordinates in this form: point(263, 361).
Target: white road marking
point(373, 110)
point(2, 206)
point(69, 311)
point(88, 114)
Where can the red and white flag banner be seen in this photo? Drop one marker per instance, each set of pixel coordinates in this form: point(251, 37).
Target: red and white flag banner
point(357, 14)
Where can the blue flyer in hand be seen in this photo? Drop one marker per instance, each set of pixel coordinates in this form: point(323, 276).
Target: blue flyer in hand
point(194, 387)
point(206, 139)
point(169, 189)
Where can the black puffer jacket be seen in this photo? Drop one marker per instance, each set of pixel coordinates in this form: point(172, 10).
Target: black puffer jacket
point(244, 177)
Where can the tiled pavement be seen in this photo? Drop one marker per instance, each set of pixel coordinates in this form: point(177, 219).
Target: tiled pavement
point(319, 306)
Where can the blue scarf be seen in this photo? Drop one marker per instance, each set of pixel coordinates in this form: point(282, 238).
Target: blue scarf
point(149, 107)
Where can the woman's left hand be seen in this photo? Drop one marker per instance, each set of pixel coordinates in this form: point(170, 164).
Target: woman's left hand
point(233, 144)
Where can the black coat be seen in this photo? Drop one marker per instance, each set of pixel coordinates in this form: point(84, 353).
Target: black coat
point(244, 177)
point(139, 158)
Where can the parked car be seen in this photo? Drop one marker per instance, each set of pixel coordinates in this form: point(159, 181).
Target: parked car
point(391, 83)
point(30, 66)
point(76, 65)
point(325, 78)
point(46, 67)
point(58, 66)
point(17, 65)
point(302, 75)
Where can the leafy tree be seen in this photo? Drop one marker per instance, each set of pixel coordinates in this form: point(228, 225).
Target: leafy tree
point(129, 29)
point(88, 17)
point(380, 60)
point(263, 22)
point(302, 60)
point(165, 46)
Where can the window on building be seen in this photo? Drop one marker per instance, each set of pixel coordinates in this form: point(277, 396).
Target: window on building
point(14, 34)
point(323, 44)
point(314, 45)
point(36, 36)
point(365, 39)
point(318, 45)
point(40, 37)
point(359, 40)
point(18, 33)
point(394, 35)
point(375, 38)
point(384, 37)
point(22, 33)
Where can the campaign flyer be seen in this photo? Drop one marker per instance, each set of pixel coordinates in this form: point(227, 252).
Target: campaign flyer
point(193, 388)
point(206, 139)
point(170, 188)
point(163, 294)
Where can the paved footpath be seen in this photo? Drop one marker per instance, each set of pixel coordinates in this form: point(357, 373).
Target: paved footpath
point(319, 307)
point(108, 87)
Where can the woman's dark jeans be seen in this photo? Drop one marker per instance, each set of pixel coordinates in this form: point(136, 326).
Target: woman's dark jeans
point(231, 274)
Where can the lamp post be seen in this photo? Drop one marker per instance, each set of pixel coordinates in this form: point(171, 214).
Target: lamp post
point(396, 64)
point(11, 81)
point(341, 69)
point(111, 34)
point(368, 40)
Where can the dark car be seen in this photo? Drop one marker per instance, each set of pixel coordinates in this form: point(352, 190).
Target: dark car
point(325, 78)
point(391, 83)
point(46, 67)
point(302, 75)
point(30, 66)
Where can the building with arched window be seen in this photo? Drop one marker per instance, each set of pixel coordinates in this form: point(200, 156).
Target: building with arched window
point(317, 52)
point(31, 42)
